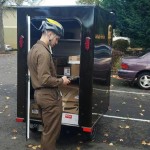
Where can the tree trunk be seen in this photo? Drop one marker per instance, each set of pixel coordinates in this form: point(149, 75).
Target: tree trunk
point(2, 44)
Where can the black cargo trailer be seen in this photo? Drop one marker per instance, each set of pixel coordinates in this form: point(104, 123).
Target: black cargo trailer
point(83, 54)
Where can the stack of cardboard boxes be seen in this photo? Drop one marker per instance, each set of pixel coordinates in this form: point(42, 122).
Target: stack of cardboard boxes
point(74, 62)
point(68, 66)
point(70, 99)
point(71, 92)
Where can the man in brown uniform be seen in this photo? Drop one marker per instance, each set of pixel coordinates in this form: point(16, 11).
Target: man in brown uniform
point(45, 82)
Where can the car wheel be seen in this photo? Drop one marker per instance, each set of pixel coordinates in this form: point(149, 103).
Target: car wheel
point(143, 80)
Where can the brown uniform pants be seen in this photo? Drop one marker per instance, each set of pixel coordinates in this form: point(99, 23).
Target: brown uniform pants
point(51, 111)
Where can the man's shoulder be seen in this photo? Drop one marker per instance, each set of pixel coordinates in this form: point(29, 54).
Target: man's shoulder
point(38, 48)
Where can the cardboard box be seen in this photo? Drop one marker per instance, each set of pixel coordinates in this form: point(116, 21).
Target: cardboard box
point(71, 107)
point(70, 93)
point(74, 59)
point(75, 69)
point(70, 99)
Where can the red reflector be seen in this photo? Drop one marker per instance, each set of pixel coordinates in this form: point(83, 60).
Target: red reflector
point(85, 129)
point(19, 119)
point(87, 43)
point(124, 66)
point(21, 41)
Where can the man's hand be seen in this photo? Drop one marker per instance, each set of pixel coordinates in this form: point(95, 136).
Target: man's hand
point(65, 80)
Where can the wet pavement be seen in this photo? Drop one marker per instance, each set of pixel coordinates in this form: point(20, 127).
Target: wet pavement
point(114, 131)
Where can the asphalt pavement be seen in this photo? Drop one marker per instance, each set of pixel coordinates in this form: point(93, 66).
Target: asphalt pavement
point(126, 125)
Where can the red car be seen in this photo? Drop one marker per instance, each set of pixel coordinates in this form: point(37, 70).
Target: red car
point(136, 69)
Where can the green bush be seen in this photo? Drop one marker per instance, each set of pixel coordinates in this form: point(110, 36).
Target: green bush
point(116, 55)
point(120, 45)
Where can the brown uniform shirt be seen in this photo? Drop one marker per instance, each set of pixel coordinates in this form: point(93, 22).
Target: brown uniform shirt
point(41, 67)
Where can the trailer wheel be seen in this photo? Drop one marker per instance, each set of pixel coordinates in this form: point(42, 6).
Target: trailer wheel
point(34, 127)
point(89, 136)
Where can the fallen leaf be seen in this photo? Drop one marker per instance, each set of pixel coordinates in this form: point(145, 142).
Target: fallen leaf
point(7, 97)
point(14, 131)
point(143, 110)
point(1, 112)
point(34, 147)
point(78, 148)
point(135, 98)
point(6, 106)
point(143, 95)
point(148, 144)
point(121, 127)
point(141, 114)
point(144, 143)
point(39, 146)
point(121, 140)
point(117, 110)
point(29, 146)
point(124, 103)
point(14, 138)
point(127, 127)
point(140, 106)
point(105, 134)
point(111, 144)
point(104, 141)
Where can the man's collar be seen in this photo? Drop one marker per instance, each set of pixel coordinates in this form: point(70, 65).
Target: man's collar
point(47, 47)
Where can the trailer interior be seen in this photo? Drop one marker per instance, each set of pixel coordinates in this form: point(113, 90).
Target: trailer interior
point(66, 57)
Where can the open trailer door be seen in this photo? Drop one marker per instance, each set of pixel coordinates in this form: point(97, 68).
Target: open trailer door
point(28, 83)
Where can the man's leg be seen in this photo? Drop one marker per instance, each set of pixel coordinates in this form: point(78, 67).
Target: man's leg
point(51, 116)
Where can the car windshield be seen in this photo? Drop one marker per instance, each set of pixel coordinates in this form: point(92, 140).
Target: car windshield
point(147, 55)
point(141, 54)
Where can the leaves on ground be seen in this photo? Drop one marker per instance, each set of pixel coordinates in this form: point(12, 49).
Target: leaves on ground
point(14, 138)
point(14, 131)
point(111, 144)
point(78, 148)
point(106, 134)
point(34, 146)
point(7, 97)
point(145, 143)
point(124, 127)
point(121, 140)
point(141, 114)
point(117, 110)
point(6, 107)
point(124, 103)
point(115, 77)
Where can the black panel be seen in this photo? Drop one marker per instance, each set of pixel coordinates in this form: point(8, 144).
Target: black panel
point(79, 23)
